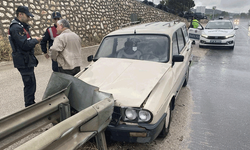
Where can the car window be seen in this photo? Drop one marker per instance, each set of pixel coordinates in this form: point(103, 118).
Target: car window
point(184, 29)
point(180, 39)
point(140, 47)
point(219, 25)
point(108, 44)
point(175, 44)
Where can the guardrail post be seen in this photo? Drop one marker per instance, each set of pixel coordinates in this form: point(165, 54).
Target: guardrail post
point(101, 141)
point(64, 109)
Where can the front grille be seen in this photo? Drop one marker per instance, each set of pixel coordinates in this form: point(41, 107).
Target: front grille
point(215, 43)
point(116, 116)
point(216, 37)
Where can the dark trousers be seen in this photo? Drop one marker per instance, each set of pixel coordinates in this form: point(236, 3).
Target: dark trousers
point(70, 72)
point(29, 82)
point(54, 66)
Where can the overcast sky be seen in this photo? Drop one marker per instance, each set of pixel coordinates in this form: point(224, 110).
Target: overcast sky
point(234, 6)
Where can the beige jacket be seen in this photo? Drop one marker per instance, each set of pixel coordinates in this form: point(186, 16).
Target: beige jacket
point(66, 50)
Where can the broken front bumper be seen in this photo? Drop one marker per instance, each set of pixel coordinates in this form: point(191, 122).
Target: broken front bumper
point(141, 133)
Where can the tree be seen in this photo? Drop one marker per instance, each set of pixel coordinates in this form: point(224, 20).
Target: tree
point(243, 15)
point(224, 13)
point(178, 6)
point(145, 2)
point(151, 4)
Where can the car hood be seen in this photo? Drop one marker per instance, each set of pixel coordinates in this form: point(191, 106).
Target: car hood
point(130, 81)
point(218, 32)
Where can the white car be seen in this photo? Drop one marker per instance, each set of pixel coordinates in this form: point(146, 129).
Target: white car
point(220, 33)
point(143, 67)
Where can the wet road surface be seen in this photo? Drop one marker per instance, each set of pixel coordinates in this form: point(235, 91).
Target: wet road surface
point(220, 84)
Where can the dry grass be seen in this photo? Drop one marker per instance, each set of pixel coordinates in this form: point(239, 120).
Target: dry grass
point(37, 50)
point(92, 41)
point(5, 49)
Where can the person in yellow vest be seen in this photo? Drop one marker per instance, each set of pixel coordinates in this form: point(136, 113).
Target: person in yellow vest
point(49, 36)
point(195, 24)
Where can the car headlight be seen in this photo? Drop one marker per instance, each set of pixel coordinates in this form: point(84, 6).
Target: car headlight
point(144, 116)
point(229, 36)
point(130, 114)
point(204, 35)
point(136, 115)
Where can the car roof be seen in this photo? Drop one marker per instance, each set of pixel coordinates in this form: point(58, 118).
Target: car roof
point(167, 28)
point(220, 21)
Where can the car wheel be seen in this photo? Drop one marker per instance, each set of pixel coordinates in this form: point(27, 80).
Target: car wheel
point(166, 126)
point(186, 78)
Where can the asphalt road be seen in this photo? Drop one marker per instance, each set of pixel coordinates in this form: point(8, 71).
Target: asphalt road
point(220, 84)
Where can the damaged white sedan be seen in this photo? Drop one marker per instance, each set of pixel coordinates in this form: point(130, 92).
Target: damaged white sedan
point(143, 67)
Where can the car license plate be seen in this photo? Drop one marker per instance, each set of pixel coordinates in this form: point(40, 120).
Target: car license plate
point(215, 41)
point(194, 36)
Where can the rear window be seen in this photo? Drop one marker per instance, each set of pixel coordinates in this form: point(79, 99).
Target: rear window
point(140, 47)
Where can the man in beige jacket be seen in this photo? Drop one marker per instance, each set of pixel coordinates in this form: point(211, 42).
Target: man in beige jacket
point(66, 49)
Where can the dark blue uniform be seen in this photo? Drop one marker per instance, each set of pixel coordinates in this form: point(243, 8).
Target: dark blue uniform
point(23, 57)
point(49, 36)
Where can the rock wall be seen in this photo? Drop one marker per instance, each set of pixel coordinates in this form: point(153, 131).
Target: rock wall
point(90, 19)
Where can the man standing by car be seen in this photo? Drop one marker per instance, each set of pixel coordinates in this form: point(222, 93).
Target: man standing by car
point(66, 49)
point(23, 52)
point(49, 36)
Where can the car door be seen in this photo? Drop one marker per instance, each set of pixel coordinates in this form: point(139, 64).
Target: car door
point(194, 33)
point(179, 48)
point(188, 47)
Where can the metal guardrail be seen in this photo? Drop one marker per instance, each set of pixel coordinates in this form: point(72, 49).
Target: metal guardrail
point(24, 122)
point(73, 131)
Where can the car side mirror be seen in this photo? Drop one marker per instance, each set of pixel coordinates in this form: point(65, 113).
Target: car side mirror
point(177, 58)
point(236, 28)
point(90, 58)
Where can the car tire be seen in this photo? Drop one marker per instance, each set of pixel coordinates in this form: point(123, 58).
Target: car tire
point(166, 125)
point(186, 78)
point(200, 46)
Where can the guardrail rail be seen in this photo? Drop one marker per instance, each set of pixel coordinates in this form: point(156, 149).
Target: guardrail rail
point(78, 112)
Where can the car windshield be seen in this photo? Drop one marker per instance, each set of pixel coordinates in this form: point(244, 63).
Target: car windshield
point(219, 25)
point(140, 47)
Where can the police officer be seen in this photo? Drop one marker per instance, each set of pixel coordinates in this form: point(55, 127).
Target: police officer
point(23, 52)
point(49, 36)
point(195, 24)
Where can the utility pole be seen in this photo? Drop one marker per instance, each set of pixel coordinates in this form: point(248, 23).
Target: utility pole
point(213, 11)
